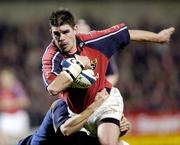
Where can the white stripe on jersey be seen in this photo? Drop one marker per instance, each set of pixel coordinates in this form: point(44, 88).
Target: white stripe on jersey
point(44, 79)
point(54, 57)
point(102, 37)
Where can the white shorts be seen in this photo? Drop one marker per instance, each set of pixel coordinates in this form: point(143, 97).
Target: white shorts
point(111, 108)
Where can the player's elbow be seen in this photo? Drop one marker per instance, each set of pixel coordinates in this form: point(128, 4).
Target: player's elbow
point(65, 131)
point(52, 91)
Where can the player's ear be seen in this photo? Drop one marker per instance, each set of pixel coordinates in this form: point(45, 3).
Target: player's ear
point(76, 28)
point(50, 30)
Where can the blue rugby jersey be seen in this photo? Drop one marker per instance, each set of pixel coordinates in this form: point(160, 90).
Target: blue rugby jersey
point(49, 131)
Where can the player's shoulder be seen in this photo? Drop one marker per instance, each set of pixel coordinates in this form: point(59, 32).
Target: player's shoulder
point(98, 34)
point(121, 25)
point(58, 103)
point(83, 36)
point(50, 51)
point(115, 28)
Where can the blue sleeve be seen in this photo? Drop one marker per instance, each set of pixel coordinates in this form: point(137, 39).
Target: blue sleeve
point(59, 113)
point(56, 61)
point(110, 70)
point(111, 42)
point(112, 67)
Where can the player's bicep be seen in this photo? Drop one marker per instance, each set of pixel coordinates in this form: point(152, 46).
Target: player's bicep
point(50, 70)
point(51, 67)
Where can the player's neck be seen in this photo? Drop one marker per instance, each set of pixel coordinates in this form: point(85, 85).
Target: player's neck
point(72, 52)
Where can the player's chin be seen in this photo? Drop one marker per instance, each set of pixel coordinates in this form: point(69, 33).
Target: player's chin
point(65, 47)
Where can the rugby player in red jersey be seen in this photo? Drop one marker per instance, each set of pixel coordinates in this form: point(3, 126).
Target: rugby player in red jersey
point(92, 49)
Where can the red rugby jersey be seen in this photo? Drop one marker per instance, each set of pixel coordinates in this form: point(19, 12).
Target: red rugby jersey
point(99, 46)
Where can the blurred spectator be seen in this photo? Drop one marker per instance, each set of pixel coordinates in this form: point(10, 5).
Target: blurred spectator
point(82, 26)
point(14, 119)
point(112, 73)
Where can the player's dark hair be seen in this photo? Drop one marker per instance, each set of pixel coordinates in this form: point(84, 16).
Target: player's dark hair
point(60, 17)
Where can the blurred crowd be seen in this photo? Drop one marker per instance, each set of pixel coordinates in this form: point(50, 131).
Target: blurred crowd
point(149, 74)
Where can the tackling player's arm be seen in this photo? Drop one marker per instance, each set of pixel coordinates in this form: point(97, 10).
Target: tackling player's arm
point(77, 122)
point(161, 37)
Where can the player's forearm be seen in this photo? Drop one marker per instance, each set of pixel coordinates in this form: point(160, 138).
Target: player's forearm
point(79, 117)
point(61, 82)
point(162, 37)
point(76, 122)
point(141, 35)
point(83, 115)
point(68, 129)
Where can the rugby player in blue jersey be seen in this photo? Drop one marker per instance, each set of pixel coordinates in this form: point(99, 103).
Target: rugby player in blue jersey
point(58, 128)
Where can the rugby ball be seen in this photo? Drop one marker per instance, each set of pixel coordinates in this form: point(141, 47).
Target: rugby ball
point(84, 80)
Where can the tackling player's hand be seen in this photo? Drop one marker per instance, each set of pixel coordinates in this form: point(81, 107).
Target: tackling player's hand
point(125, 125)
point(99, 99)
point(102, 95)
point(164, 35)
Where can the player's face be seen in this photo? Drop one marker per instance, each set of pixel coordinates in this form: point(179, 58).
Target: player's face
point(64, 37)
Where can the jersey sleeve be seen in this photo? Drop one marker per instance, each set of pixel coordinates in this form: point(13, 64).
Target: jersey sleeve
point(59, 113)
point(112, 67)
point(50, 65)
point(110, 40)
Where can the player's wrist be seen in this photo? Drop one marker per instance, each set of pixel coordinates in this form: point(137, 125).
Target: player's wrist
point(97, 103)
point(72, 67)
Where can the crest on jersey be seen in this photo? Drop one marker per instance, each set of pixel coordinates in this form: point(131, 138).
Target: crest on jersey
point(94, 63)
